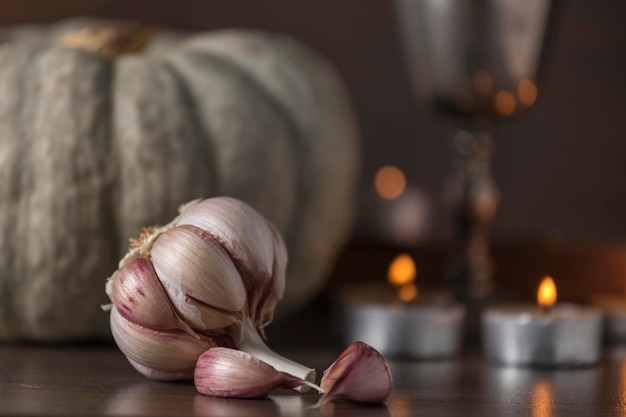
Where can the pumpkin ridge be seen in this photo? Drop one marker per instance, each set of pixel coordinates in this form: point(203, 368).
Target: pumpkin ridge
point(295, 133)
point(308, 188)
point(57, 228)
point(10, 266)
point(190, 64)
point(25, 182)
point(157, 154)
point(251, 79)
point(207, 143)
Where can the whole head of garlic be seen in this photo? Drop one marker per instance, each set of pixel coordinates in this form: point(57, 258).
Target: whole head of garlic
point(211, 277)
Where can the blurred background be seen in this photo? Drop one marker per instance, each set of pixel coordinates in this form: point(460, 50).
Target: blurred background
point(560, 166)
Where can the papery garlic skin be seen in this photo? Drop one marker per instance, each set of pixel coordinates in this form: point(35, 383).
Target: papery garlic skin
point(211, 277)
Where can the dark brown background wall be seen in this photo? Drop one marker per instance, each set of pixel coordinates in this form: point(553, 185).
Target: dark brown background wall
point(561, 166)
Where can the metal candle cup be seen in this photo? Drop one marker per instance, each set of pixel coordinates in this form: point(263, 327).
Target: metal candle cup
point(615, 326)
point(614, 309)
point(564, 335)
point(399, 320)
point(412, 331)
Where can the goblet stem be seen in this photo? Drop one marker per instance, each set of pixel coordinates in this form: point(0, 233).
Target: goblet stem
point(474, 198)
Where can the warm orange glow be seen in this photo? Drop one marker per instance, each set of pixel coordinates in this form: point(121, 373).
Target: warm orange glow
point(483, 82)
point(527, 92)
point(399, 406)
point(542, 400)
point(402, 270)
point(389, 182)
point(623, 382)
point(408, 292)
point(505, 103)
point(546, 295)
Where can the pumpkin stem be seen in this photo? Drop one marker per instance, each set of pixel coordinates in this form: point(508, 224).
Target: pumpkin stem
point(109, 42)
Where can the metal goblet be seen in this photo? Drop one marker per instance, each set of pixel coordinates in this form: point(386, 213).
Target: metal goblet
point(477, 61)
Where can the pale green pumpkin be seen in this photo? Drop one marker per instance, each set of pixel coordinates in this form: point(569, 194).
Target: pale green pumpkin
point(104, 131)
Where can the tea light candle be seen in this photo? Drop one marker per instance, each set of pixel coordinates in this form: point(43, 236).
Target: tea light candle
point(411, 326)
point(547, 335)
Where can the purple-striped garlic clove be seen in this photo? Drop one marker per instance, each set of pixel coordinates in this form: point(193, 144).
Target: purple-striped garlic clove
point(156, 349)
point(223, 372)
point(138, 295)
point(360, 374)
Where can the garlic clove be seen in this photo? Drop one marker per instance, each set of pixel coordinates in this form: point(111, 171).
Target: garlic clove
point(248, 238)
point(210, 319)
point(275, 291)
point(163, 350)
point(138, 295)
point(238, 227)
point(281, 258)
point(223, 372)
point(190, 264)
point(360, 374)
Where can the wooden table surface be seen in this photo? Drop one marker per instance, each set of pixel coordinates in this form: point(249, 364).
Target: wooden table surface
point(95, 380)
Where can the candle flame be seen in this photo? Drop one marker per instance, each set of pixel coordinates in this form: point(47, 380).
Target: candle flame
point(402, 272)
point(389, 182)
point(546, 295)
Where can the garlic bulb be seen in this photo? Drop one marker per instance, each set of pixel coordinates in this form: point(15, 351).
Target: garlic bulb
point(212, 277)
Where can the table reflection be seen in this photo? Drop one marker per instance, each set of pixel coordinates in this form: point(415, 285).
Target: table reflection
point(428, 375)
point(228, 407)
point(285, 405)
point(151, 398)
point(157, 398)
point(92, 382)
point(544, 391)
point(346, 409)
point(400, 406)
point(542, 399)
